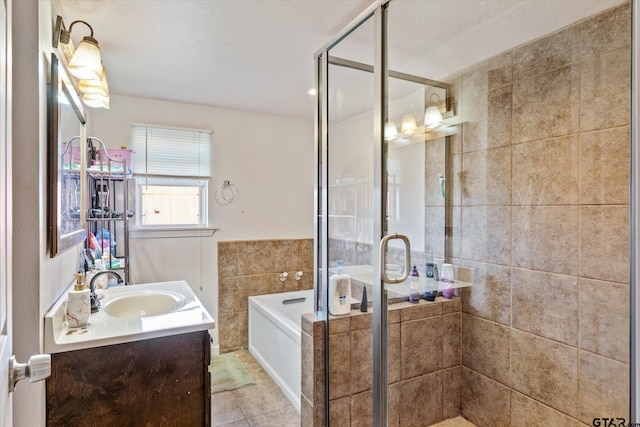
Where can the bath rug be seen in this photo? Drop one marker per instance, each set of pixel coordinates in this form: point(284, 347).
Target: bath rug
point(228, 373)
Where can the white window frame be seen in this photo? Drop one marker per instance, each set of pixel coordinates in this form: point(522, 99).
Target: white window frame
point(173, 182)
point(142, 178)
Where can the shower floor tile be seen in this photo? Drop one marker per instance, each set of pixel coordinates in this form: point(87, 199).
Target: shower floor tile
point(259, 405)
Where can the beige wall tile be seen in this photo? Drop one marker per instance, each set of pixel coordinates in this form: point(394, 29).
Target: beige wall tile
point(361, 409)
point(434, 230)
point(546, 304)
point(490, 295)
point(606, 90)
point(435, 163)
point(546, 105)
point(606, 31)
point(339, 365)
point(486, 235)
point(604, 319)
point(421, 347)
point(525, 410)
point(393, 405)
point(361, 360)
point(546, 238)
point(546, 172)
point(486, 348)
point(604, 243)
point(550, 52)
point(451, 340)
point(307, 366)
point(255, 257)
point(288, 255)
point(394, 359)
point(308, 248)
point(339, 324)
point(228, 331)
point(451, 305)
point(605, 157)
point(415, 410)
point(487, 177)
point(423, 310)
point(545, 370)
point(486, 106)
point(459, 179)
point(451, 392)
point(340, 412)
point(227, 259)
point(484, 402)
point(604, 388)
point(228, 295)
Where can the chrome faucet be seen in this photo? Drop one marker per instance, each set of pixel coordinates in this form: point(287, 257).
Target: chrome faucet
point(95, 302)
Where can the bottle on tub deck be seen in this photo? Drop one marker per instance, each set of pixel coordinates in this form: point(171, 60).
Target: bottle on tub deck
point(78, 304)
point(447, 280)
point(414, 286)
point(339, 292)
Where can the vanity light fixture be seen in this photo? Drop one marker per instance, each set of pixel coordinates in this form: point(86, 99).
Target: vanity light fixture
point(409, 126)
point(390, 131)
point(85, 64)
point(433, 116)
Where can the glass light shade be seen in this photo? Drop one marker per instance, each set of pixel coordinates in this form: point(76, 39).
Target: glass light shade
point(96, 101)
point(433, 117)
point(86, 63)
point(409, 126)
point(95, 87)
point(390, 131)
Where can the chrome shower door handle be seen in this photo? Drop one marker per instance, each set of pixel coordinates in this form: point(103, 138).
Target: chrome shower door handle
point(383, 258)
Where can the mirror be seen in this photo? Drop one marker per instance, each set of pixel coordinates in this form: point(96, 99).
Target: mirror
point(66, 142)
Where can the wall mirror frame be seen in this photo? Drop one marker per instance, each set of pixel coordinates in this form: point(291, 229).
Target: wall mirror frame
point(66, 128)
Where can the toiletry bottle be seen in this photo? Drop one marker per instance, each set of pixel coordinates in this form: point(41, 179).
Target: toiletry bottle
point(78, 304)
point(339, 292)
point(447, 280)
point(364, 304)
point(414, 286)
point(431, 284)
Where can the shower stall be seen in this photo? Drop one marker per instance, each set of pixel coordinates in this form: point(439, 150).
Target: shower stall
point(488, 149)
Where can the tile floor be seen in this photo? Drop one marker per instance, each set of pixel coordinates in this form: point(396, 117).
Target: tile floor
point(264, 405)
point(259, 405)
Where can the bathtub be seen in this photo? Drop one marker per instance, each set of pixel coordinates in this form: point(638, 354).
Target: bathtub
point(274, 337)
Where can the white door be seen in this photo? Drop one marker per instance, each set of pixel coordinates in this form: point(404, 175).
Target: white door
point(6, 417)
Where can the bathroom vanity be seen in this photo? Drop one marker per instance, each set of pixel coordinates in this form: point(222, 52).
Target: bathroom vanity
point(126, 370)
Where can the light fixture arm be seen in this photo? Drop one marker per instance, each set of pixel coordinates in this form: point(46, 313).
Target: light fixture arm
point(65, 35)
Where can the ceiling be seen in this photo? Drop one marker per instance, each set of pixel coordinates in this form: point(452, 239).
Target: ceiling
point(257, 55)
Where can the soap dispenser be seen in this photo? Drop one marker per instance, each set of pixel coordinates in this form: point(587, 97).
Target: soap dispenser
point(78, 304)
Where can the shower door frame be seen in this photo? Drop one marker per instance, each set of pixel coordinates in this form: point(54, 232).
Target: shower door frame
point(377, 10)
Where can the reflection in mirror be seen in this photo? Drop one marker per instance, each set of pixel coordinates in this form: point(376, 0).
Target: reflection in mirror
point(66, 127)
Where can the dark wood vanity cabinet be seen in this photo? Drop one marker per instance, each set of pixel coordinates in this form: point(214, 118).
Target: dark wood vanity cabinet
point(156, 382)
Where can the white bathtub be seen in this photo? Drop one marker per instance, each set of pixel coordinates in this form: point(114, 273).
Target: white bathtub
point(274, 337)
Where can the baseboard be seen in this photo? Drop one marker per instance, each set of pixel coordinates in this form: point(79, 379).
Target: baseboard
point(215, 350)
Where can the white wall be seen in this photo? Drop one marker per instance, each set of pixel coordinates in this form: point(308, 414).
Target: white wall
point(37, 279)
point(268, 158)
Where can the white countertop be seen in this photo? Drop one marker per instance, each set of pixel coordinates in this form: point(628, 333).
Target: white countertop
point(103, 329)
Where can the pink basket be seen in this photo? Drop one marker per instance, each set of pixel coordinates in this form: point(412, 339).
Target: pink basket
point(117, 154)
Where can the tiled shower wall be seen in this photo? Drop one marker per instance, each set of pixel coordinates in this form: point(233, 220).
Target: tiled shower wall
point(423, 360)
point(247, 268)
point(541, 211)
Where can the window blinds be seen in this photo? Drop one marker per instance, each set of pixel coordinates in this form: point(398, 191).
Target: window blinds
point(171, 152)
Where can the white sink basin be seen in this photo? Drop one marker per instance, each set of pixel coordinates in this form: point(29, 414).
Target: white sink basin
point(144, 304)
point(129, 313)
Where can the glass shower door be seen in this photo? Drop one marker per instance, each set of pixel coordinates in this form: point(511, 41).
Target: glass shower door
point(382, 230)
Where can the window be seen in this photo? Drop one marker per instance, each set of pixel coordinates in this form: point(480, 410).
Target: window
point(172, 169)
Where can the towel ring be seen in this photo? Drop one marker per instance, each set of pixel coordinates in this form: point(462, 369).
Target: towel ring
point(227, 193)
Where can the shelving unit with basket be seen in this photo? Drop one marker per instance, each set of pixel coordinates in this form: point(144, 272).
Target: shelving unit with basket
point(108, 210)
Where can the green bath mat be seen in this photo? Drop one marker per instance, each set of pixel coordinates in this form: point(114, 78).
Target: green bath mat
point(228, 373)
